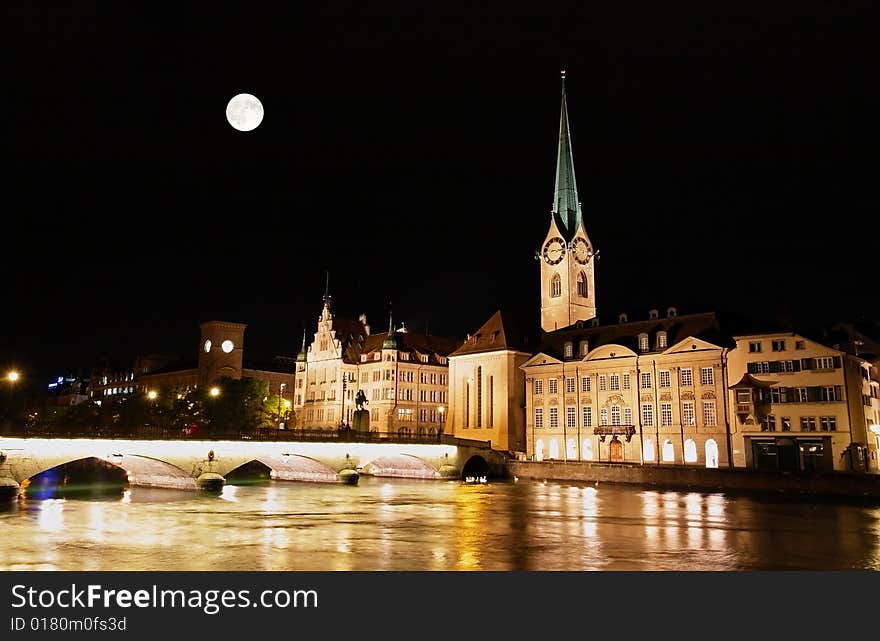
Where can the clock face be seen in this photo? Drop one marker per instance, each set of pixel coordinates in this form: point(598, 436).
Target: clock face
point(581, 250)
point(227, 346)
point(207, 345)
point(554, 250)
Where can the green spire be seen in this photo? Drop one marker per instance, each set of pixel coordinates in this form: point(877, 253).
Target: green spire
point(390, 341)
point(302, 356)
point(566, 207)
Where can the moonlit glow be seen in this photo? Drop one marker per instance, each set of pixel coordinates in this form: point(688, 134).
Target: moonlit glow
point(244, 112)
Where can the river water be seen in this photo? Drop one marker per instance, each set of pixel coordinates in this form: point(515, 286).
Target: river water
point(397, 524)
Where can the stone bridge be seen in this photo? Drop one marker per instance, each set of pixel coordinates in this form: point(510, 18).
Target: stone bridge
point(180, 464)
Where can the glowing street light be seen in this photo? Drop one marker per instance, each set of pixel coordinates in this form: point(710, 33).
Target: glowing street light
point(12, 376)
point(152, 395)
point(215, 391)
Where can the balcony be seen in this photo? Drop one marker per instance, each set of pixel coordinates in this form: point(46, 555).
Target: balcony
point(626, 431)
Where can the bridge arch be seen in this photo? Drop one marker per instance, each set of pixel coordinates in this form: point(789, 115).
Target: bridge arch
point(401, 465)
point(476, 467)
point(296, 467)
point(83, 474)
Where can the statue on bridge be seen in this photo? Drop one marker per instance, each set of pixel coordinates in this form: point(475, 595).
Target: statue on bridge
point(361, 417)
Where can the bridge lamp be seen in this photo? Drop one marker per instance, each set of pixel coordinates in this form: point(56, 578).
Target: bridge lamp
point(215, 391)
point(12, 376)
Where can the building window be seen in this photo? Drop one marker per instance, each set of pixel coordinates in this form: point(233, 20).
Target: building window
point(711, 453)
point(467, 404)
point(554, 449)
point(831, 393)
point(555, 286)
point(828, 423)
point(665, 379)
point(603, 416)
point(661, 340)
point(588, 416)
point(777, 345)
point(643, 342)
point(615, 414)
point(707, 376)
point(647, 415)
point(491, 415)
point(785, 421)
point(627, 416)
point(690, 451)
point(754, 347)
point(539, 450)
point(825, 362)
point(646, 380)
point(539, 417)
point(570, 385)
point(568, 350)
point(554, 417)
point(687, 377)
point(570, 417)
point(800, 344)
point(688, 415)
point(585, 384)
point(602, 384)
point(802, 394)
point(582, 285)
point(539, 386)
point(648, 450)
point(626, 381)
point(615, 382)
point(768, 423)
point(668, 451)
point(478, 375)
point(808, 423)
point(554, 386)
point(587, 451)
point(665, 413)
point(585, 348)
point(709, 416)
point(571, 449)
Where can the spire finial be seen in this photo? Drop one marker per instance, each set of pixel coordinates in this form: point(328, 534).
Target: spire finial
point(390, 318)
point(566, 205)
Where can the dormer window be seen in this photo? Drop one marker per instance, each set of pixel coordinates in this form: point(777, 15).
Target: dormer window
point(661, 340)
point(594, 322)
point(424, 358)
point(671, 312)
point(568, 350)
point(653, 314)
point(363, 358)
point(643, 342)
point(622, 318)
point(584, 348)
point(404, 357)
point(377, 356)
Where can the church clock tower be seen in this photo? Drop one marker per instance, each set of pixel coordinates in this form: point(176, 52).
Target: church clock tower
point(567, 258)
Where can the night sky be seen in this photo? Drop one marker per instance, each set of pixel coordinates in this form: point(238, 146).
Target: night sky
point(726, 158)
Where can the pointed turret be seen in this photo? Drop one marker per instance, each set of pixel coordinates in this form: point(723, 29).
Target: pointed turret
point(566, 206)
point(390, 341)
point(303, 354)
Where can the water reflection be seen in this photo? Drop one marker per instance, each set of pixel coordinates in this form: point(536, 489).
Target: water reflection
point(385, 524)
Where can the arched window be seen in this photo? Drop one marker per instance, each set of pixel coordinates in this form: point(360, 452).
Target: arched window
point(582, 285)
point(648, 450)
point(711, 453)
point(668, 452)
point(569, 349)
point(571, 449)
point(690, 451)
point(661, 340)
point(539, 450)
point(554, 449)
point(555, 286)
point(585, 348)
point(587, 451)
point(643, 342)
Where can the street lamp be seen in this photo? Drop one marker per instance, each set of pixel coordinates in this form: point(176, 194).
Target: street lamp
point(152, 395)
point(442, 410)
point(12, 376)
point(280, 398)
point(215, 391)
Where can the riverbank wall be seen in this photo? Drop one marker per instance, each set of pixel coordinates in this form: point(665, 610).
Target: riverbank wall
point(681, 477)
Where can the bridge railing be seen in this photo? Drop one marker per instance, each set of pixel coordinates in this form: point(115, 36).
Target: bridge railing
point(273, 435)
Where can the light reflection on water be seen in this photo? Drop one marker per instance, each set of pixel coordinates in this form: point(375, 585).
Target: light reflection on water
point(401, 524)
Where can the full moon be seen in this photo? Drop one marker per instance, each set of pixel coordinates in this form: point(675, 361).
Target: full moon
point(244, 112)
